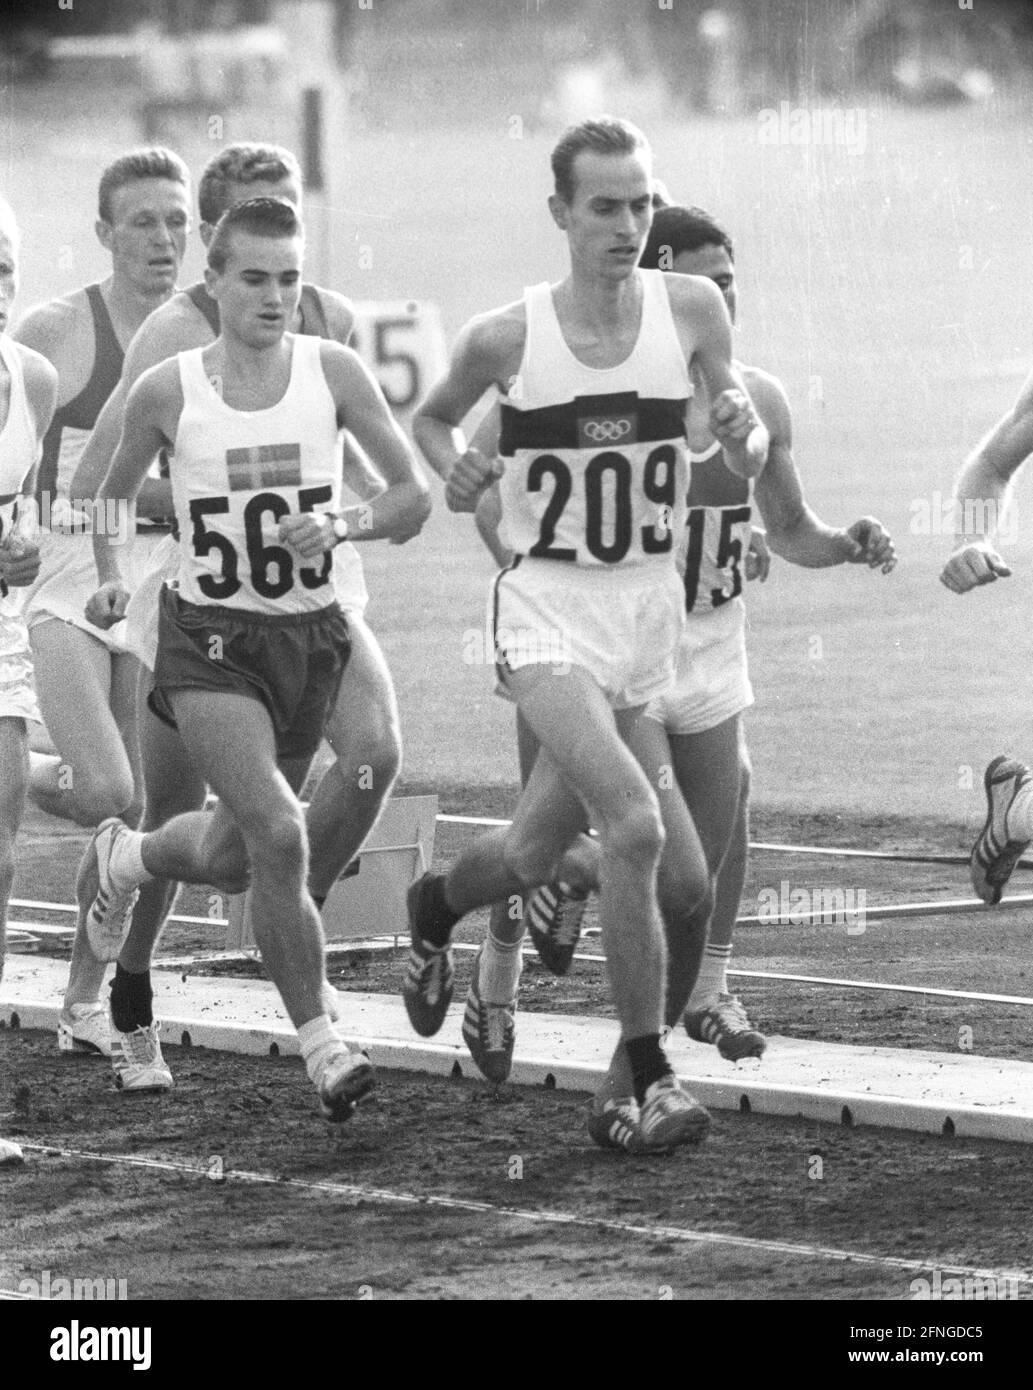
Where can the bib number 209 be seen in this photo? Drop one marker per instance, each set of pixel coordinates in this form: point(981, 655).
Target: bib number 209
point(606, 471)
point(271, 566)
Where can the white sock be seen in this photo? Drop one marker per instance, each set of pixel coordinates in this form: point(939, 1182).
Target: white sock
point(712, 979)
point(500, 969)
point(319, 1043)
point(126, 863)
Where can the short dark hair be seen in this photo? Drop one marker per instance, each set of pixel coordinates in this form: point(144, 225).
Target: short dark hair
point(677, 229)
point(271, 217)
point(242, 163)
point(150, 162)
point(603, 135)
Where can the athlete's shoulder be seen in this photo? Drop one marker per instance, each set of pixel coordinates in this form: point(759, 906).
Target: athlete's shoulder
point(40, 376)
point(497, 334)
point(691, 293)
point(768, 395)
point(338, 310)
point(157, 384)
point(54, 326)
point(175, 326)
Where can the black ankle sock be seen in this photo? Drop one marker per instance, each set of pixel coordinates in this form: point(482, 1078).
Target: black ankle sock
point(648, 1063)
point(131, 1000)
point(436, 919)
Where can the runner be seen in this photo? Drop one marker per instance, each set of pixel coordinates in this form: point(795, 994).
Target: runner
point(28, 395)
point(363, 728)
point(594, 375)
point(252, 642)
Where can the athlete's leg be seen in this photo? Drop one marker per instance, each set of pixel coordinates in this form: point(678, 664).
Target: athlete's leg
point(683, 887)
point(171, 787)
point(684, 880)
point(712, 767)
point(92, 776)
point(731, 875)
point(583, 748)
point(14, 776)
point(231, 743)
point(363, 731)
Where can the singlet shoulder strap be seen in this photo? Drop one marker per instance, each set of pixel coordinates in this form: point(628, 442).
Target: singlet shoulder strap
point(313, 313)
point(204, 304)
point(107, 345)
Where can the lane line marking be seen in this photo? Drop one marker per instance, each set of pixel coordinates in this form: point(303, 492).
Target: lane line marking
point(357, 1192)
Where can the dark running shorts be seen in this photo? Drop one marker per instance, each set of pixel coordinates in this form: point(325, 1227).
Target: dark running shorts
point(293, 664)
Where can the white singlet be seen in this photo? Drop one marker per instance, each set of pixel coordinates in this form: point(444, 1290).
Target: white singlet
point(596, 471)
point(19, 450)
point(236, 473)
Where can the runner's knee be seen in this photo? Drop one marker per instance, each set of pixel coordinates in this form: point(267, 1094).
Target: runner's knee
point(95, 798)
point(529, 857)
point(637, 835)
point(279, 847)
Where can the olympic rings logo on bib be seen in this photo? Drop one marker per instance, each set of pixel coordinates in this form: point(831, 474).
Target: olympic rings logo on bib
point(609, 431)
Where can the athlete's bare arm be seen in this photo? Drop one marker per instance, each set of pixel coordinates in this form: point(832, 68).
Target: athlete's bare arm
point(62, 331)
point(705, 330)
point(981, 494)
point(488, 515)
point(359, 473)
point(400, 510)
point(170, 329)
point(19, 563)
point(487, 354)
point(152, 413)
point(793, 529)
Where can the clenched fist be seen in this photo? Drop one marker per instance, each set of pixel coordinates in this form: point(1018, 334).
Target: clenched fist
point(971, 565)
point(471, 474)
point(868, 542)
point(309, 533)
point(108, 605)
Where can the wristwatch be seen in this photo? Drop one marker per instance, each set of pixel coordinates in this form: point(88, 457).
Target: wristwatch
point(340, 529)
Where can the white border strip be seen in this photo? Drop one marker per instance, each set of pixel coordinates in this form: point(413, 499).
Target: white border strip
point(357, 1193)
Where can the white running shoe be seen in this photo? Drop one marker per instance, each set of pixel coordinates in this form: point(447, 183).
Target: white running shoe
point(84, 1028)
point(137, 1060)
point(346, 1080)
point(108, 909)
point(615, 1123)
point(996, 852)
point(669, 1116)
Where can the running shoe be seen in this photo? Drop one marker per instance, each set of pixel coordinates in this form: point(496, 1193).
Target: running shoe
point(84, 1028)
point(727, 1027)
point(553, 917)
point(346, 1080)
point(108, 910)
point(615, 1123)
point(669, 1116)
point(429, 973)
point(995, 853)
point(489, 1030)
point(137, 1060)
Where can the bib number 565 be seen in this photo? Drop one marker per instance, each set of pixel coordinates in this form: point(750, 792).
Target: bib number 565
point(271, 567)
